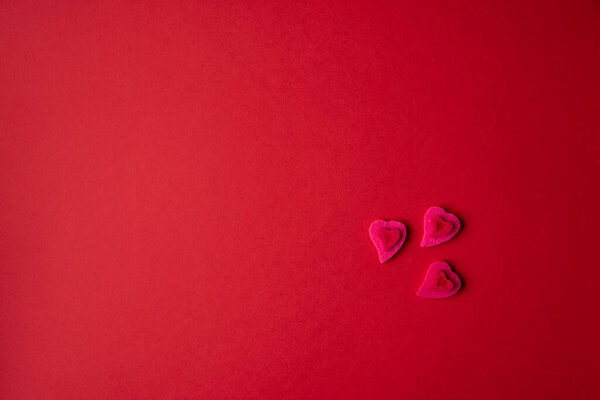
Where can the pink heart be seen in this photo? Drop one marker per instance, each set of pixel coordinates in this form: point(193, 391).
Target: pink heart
point(440, 281)
point(388, 237)
point(440, 226)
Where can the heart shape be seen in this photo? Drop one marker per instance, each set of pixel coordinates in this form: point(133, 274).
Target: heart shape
point(440, 281)
point(388, 237)
point(440, 226)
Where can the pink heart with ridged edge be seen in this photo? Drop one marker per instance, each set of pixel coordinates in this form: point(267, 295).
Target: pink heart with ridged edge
point(440, 281)
point(388, 237)
point(439, 226)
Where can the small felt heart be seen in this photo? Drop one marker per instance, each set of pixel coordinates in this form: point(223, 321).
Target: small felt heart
point(439, 226)
point(388, 237)
point(440, 281)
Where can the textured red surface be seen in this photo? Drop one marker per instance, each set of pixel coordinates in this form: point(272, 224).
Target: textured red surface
point(186, 190)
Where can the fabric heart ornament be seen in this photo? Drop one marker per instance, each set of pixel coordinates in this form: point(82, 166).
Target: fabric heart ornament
point(440, 226)
point(440, 281)
point(388, 237)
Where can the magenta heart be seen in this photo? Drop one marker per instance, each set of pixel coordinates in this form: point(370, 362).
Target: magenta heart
point(388, 237)
point(439, 226)
point(440, 281)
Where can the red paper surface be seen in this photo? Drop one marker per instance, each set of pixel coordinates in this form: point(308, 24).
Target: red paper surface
point(186, 190)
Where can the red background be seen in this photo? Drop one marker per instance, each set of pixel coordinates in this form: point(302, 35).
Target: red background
point(186, 190)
